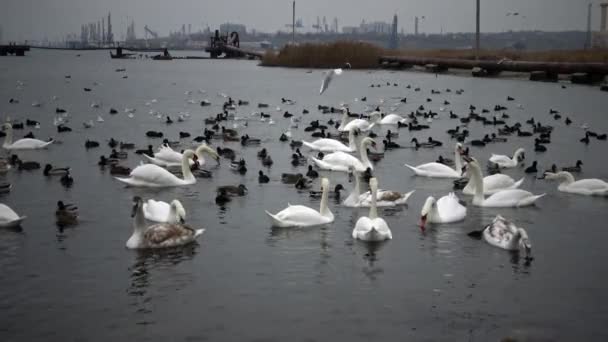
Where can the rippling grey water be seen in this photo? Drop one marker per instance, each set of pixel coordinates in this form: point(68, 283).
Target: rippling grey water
point(244, 281)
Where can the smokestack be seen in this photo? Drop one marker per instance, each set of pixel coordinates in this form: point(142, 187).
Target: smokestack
point(604, 7)
point(293, 23)
point(416, 26)
point(477, 43)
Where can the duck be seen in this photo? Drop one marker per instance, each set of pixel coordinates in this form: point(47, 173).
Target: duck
point(50, 171)
point(445, 210)
point(302, 216)
point(21, 144)
point(341, 161)
point(116, 169)
point(311, 173)
point(222, 198)
point(531, 168)
point(67, 180)
point(418, 145)
point(239, 166)
point(334, 194)
point(90, 144)
point(262, 178)
point(505, 162)
point(163, 212)
point(9, 218)
point(151, 175)
point(118, 155)
point(303, 183)
point(247, 141)
point(234, 190)
point(576, 168)
point(588, 187)
point(168, 157)
point(384, 198)
point(290, 178)
point(331, 145)
point(267, 161)
point(372, 228)
point(505, 234)
point(538, 147)
point(439, 170)
point(66, 214)
point(158, 235)
point(503, 198)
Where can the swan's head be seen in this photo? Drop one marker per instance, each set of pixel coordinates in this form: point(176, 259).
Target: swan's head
point(368, 142)
point(137, 202)
point(179, 210)
point(324, 184)
point(524, 241)
point(519, 154)
point(205, 148)
point(459, 148)
point(426, 209)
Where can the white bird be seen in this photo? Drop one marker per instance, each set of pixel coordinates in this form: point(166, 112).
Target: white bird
point(502, 198)
point(36, 104)
point(372, 227)
point(150, 175)
point(302, 216)
point(332, 145)
point(167, 157)
point(390, 119)
point(99, 118)
point(445, 210)
point(438, 170)
point(504, 234)
point(160, 235)
point(159, 211)
point(129, 110)
point(493, 183)
point(9, 218)
point(384, 198)
point(588, 187)
point(505, 161)
point(340, 161)
point(21, 144)
point(329, 75)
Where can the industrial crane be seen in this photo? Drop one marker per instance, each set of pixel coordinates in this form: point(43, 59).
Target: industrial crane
point(148, 31)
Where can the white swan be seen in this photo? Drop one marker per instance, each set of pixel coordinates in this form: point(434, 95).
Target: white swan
point(438, 170)
point(445, 210)
point(589, 187)
point(159, 211)
point(302, 216)
point(390, 119)
point(362, 125)
point(493, 184)
point(150, 175)
point(505, 161)
point(502, 198)
point(21, 144)
point(9, 218)
point(384, 198)
point(504, 234)
point(333, 145)
point(160, 235)
point(168, 157)
point(372, 227)
point(340, 161)
point(329, 75)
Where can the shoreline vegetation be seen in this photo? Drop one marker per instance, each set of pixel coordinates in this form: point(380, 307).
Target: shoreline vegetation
point(365, 55)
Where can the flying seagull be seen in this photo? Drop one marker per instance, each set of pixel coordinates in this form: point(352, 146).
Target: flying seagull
point(329, 76)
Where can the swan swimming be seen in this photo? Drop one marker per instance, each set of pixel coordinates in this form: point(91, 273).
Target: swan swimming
point(504, 234)
point(438, 170)
point(333, 145)
point(9, 218)
point(340, 161)
point(445, 210)
point(390, 119)
point(502, 198)
point(159, 211)
point(21, 144)
point(372, 227)
point(505, 161)
point(159, 235)
point(302, 216)
point(493, 184)
point(150, 175)
point(168, 157)
point(588, 187)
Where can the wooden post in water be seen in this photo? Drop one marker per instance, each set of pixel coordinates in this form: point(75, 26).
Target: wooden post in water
point(477, 32)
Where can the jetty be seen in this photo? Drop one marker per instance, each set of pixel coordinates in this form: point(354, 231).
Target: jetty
point(17, 50)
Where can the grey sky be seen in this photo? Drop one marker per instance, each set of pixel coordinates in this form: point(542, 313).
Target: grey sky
point(36, 19)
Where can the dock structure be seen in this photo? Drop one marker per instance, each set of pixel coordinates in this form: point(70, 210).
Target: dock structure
point(17, 50)
point(229, 46)
point(539, 71)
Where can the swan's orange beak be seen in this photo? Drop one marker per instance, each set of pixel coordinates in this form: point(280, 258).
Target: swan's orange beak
point(423, 223)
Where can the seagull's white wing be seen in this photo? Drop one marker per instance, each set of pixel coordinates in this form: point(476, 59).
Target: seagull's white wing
point(328, 77)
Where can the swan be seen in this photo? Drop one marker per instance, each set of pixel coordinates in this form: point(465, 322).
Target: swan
point(502, 198)
point(9, 218)
point(362, 125)
point(384, 198)
point(302, 216)
point(506, 162)
point(168, 157)
point(329, 75)
point(504, 234)
point(493, 184)
point(372, 227)
point(160, 235)
point(159, 211)
point(390, 119)
point(445, 210)
point(589, 187)
point(340, 161)
point(438, 170)
point(333, 145)
point(21, 144)
point(150, 175)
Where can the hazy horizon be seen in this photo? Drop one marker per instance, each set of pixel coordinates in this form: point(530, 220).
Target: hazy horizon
point(53, 19)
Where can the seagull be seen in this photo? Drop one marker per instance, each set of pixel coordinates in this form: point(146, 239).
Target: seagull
point(329, 75)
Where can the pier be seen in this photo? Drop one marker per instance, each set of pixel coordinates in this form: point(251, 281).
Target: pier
point(539, 71)
point(17, 50)
point(229, 46)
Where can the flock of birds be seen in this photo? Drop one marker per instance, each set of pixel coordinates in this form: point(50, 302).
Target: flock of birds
point(346, 146)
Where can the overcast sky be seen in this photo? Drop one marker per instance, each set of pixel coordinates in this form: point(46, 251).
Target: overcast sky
point(36, 19)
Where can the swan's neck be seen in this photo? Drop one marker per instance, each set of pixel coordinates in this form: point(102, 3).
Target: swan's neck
point(139, 222)
point(566, 179)
point(188, 176)
point(373, 211)
point(352, 144)
point(344, 119)
point(477, 181)
point(457, 160)
point(363, 151)
point(324, 210)
point(516, 156)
